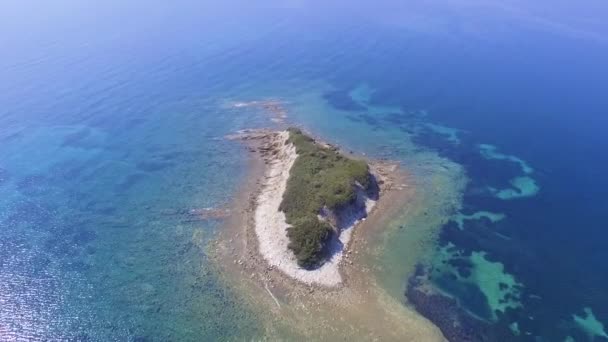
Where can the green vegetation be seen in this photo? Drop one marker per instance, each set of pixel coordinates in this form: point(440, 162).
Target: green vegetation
point(320, 177)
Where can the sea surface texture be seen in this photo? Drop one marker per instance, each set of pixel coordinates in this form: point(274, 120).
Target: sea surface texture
point(112, 152)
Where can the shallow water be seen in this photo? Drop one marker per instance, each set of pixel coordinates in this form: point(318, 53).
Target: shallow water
point(112, 119)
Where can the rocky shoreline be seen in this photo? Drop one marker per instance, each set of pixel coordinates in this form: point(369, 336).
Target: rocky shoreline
point(265, 245)
point(293, 310)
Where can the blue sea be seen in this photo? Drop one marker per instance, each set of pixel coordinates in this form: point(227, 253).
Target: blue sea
point(112, 124)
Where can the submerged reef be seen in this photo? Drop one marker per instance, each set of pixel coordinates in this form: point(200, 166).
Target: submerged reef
point(590, 325)
point(456, 324)
point(4, 176)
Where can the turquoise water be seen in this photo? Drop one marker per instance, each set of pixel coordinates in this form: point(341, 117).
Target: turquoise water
point(112, 118)
point(97, 241)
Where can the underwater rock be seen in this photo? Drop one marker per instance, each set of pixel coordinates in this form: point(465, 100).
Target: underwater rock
point(275, 108)
point(151, 166)
point(210, 213)
point(74, 139)
point(29, 213)
point(201, 214)
point(84, 236)
point(342, 100)
point(134, 123)
point(129, 181)
point(4, 176)
point(32, 185)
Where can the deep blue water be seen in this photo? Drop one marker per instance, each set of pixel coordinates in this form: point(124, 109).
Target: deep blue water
point(111, 124)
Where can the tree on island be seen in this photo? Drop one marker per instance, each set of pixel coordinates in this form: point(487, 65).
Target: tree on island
point(320, 178)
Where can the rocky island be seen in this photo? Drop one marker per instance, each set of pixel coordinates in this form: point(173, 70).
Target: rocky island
point(311, 199)
point(302, 236)
point(326, 194)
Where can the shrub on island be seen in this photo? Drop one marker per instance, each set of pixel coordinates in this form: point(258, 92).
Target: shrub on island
point(320, 178)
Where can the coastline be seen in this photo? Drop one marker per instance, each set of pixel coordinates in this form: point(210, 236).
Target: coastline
point(289, 308)
point(270, 224)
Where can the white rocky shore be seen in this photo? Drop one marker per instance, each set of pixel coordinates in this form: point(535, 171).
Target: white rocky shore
point(271, 228)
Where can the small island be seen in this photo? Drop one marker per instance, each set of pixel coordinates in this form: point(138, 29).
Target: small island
point(303, 235)
point(326, 193)
point(308, 203)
